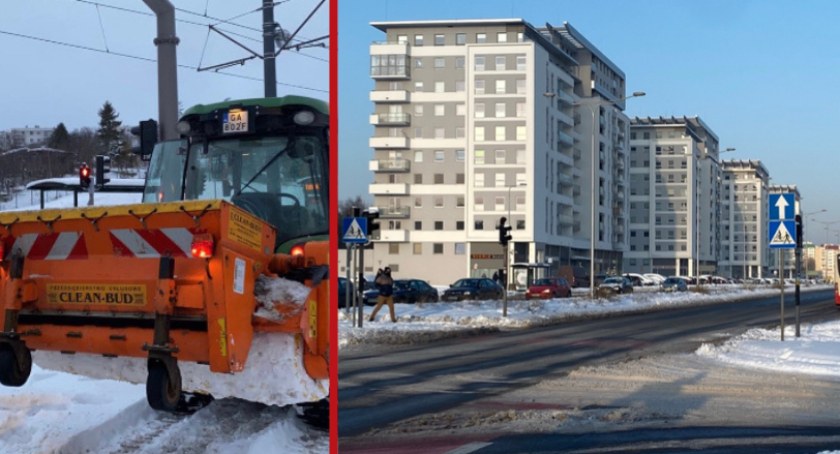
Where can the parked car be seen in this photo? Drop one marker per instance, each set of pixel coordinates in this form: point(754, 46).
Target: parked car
point(616, 284)
point(473, 288)
point(657, 279)
point(674, 284)
point(549, 287)
point(638, 280)
point(407, 291)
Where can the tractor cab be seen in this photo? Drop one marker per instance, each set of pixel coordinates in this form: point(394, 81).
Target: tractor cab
point(267, 156)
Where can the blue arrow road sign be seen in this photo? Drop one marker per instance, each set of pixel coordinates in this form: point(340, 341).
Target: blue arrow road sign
point(782, 234)
point(782, 206)
point(354, 230)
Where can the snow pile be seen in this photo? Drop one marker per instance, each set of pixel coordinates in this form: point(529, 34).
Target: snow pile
point(273, 374)
point(271, 290)
point(424, 322)
point(816, 352)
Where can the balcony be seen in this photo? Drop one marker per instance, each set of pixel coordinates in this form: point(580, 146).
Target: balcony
point(395, 212)
point(390, 119)
point(390, 72)
point(564, 138)
point(566, 219)
point(390, 96)
point(388, 189)
point(396, 165)
point(388, 142)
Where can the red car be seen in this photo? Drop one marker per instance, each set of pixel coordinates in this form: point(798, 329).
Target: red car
point(549, 287)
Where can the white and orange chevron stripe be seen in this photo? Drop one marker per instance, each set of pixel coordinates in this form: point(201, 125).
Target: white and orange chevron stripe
point(140, 243)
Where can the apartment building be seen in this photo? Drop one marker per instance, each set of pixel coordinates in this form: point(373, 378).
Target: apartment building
point(674, 192)
point(744, 219)
point(475, 120)
point(24, 137)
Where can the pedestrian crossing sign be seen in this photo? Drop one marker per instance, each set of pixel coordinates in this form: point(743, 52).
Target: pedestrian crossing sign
point(354, 230)
point(782, 234)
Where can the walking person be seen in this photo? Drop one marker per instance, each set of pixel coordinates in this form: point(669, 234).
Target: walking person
point(385, 284)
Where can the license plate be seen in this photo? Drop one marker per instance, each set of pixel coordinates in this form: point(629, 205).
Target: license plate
point(235, 121)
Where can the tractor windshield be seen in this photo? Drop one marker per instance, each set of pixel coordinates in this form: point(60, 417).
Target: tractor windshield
point(280, 179)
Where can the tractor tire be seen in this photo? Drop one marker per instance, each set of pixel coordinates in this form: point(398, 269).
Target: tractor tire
point(162, 391)
point(12, 372)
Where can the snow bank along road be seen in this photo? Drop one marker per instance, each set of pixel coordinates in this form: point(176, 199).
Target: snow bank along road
point(527, 390)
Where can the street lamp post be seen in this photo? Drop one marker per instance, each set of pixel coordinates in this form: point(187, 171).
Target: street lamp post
point(593, 213)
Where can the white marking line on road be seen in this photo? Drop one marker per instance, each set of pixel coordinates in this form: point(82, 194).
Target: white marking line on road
point(470, 447)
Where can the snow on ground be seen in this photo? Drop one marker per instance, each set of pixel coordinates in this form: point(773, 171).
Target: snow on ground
point(102, 411)
point(427, 321)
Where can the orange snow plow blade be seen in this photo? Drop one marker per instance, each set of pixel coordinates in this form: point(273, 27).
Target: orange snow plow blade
point(169, 282)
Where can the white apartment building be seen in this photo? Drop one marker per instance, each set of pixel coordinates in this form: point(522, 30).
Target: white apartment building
point(475, 120)
point(24, 137)
point(674, 192)
point(744, 219)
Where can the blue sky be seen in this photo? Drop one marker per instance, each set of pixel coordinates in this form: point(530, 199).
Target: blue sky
point(763, 74)
point(46, 83)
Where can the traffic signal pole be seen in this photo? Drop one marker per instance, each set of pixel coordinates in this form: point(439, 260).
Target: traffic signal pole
point(504, 239)
point(798, 257)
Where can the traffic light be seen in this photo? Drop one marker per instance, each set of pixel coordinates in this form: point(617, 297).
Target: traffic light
point(504, 231)
point(798, 219)
point(148, 134)
point(103, 166)
point(84, 176)
point(372, 225)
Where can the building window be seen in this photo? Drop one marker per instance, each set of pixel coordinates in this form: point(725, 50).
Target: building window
point(479, 87)
point(418, 225)
point(418, 62)
point(460, 109)
point(521, 133)
point(418, 86)
point(418, 248)
point(439, 133)
point(520, 62)
point(501, 37)
point(438, 225)
point(520, 224)
point(438, 178)
point(440, 62)
point(440, 40)
point(479, 203)
point(418, 110)
point(460, 248)
point(460, 39)
point(460, 86)
point(479, 224)
point(501, 181)
point(479, 157)
point(440, 87)
point(439, 110)
point(459, 225)
point(500, 157)
point(459, 201)
point(439, 202)
point(480, 38)
point(479, 133)
point(418, 178)
point(479, 110)
point(459, 62)
point(520, 179)
point(500, 203)
point(418, 40)
point(459, 132)
point(438, 155)
point(418, 156)
point(479, 63)
point(520, 109)
point(418, 202)
point(459, 155)
point(393, 248)
point(501, 63)
point(520, 86)
point(501, 133)
point(479, 180)
point(388, 65)
point(500, 86)
point(500, 110)
point(437, 248)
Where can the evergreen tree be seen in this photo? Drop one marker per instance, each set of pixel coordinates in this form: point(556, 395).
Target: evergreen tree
point(59, 137)
point(108, 134)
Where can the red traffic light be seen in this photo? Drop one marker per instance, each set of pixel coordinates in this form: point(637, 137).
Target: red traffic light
point(84, 176)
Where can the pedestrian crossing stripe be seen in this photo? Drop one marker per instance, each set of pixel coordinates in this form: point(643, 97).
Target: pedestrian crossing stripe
point(354, 231)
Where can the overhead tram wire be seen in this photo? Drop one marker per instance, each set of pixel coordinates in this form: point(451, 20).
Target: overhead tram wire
point(199, 24)
point(151, 60)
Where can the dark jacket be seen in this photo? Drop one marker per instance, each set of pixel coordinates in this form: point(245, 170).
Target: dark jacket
point(385, 284)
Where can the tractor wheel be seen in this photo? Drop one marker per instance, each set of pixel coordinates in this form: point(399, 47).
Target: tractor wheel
point(162, 390)
point(14, 371)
